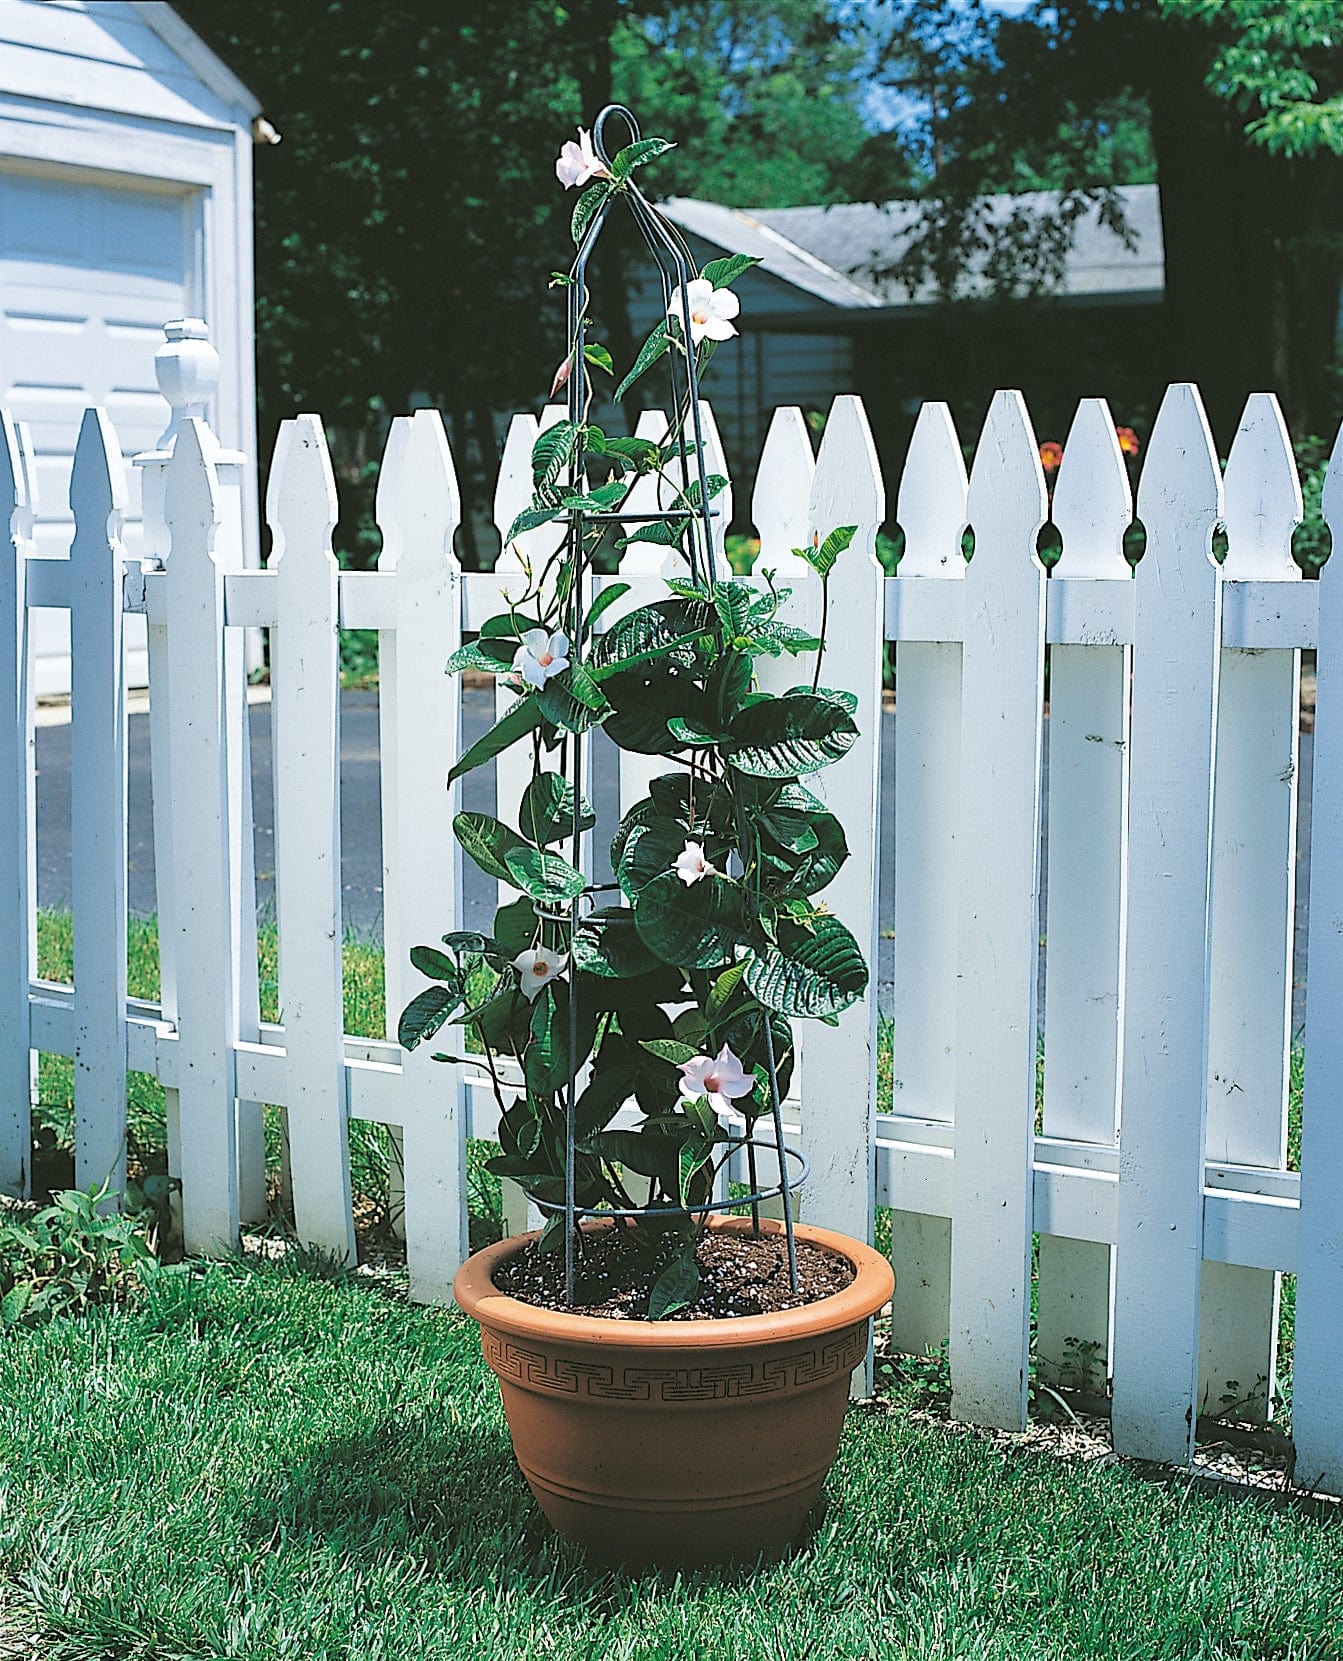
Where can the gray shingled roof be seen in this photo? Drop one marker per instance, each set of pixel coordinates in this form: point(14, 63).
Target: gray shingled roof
point(834, 252)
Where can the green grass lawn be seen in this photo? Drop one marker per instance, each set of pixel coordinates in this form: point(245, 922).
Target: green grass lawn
point(260, 1463)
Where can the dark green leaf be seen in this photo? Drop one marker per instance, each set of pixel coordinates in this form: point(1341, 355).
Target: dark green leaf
point(531, 518)
point(515, 927)
point(425, 1014)
point(656, 346)
point(547, 811)
point(545, 876)
point(784, 737)
point(552, 452)
point(552, 1235)
point(637, 1150)
point(480, 655)
point(586, 207)
point(611, 592)
point(675, 1287)
point(694, 1157)
point(724, 272)
point(812, 971)
point(607, 944)
point(822, 557)
point(524, 717)
point(668, 1049)
point(695, 927)
point(635, 155)
point(433, 963)
point(489, 842)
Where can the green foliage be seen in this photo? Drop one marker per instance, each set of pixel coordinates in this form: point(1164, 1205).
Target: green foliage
point(68, 1257)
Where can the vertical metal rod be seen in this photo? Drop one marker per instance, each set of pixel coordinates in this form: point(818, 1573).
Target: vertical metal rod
point(784, 1185)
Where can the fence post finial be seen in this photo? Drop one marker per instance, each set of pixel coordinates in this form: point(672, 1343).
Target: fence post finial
point(186, 367)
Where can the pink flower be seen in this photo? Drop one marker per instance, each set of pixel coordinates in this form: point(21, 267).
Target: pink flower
point(722, 1081)
point(711, 310)
point(691, 865)
point(577, 163)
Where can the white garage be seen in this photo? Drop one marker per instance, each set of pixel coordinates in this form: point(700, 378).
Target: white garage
point(125, 202)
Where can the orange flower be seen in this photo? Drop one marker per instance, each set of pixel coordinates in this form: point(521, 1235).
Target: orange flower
point(1128, 440)
point(1051, 454)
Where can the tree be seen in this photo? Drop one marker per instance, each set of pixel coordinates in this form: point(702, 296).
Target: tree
point(1241, 100)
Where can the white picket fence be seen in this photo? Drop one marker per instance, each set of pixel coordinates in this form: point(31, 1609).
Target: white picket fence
point(1172, 738)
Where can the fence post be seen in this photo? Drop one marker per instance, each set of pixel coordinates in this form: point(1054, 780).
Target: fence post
point(187, 369)
point(1176, 656)
point(1317, 1372)
point(98, 803)
point(839, 1068)
point(1002, 686)
point(420, 715)
point(18, 886)
point(1253, 908)
point(1084, 911)
point(301, 509)
point(199, 841)
point(931, 510)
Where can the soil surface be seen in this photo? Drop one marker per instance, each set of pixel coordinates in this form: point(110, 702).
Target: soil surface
point(740, 1274)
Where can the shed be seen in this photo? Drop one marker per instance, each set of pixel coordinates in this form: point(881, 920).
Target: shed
point(125, 202)
point(821, 315)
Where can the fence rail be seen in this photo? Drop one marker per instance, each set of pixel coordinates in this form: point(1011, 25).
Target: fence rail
point(1152, 1204)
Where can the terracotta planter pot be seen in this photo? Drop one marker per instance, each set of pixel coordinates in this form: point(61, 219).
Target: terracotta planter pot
point(676, 1441)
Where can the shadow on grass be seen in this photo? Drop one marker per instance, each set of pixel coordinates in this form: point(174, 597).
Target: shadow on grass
point(455, 1495)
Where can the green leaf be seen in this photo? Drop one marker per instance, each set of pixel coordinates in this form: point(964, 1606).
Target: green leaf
point(612, 592)
point(635, 155)
point(822, 558)
point(14, 1303)
point(531, 518)
point(547, 811)
point(668, 1049)
point(573, 700)
point(551, 1238)
point(433, 963)
point(598, 500)
point(641, 454)
point(782, 738)
point(814, 971)
point(695, 927)
point(693, 1158)
point(524, 717)
point(648, 849)
point(552, 452)
point(724, 272)
point(607, 944)
point(480, 655)
point(638, 1150)
point(656, 346)
point(585, 209)
point(489, 842)
point(723, 988)
point(425, 1014)
point(600, 358)
point(515, 927)
point(694, 737)
point(545, 876)
point(675, 1287)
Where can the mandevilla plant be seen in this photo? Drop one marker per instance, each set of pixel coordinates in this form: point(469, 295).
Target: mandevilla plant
point(676, 987)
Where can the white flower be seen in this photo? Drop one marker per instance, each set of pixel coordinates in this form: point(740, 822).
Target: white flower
point(691, 865)
point(577, 163)
point(537, 968)
point(711, 310)
point(540, 656)
point(722, 1081)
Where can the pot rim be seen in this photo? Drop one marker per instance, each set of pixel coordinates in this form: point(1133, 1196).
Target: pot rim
point(871, 1287)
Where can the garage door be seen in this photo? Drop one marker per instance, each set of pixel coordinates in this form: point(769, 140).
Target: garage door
point(89, 274)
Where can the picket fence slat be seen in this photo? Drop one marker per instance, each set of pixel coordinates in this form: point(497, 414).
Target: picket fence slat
point(931, 510)
point(18, 838)
point(1253, 899)
point(1164, 1092)
point(420, 722)
point(1002, 679)
point(781, 500)
point(1084, 918)
point(194, 596)
point(1317, 1372)
point(839, 1064)
point(302, 509)
point(98, 786)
